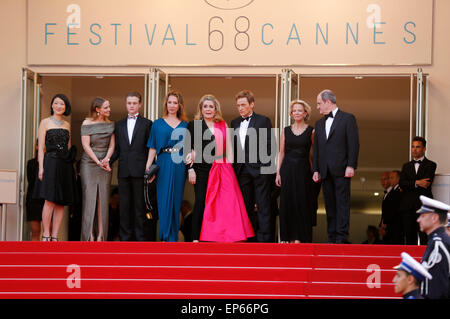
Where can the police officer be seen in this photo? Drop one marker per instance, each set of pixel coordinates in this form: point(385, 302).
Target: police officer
point(409, 276)
point(436, 259)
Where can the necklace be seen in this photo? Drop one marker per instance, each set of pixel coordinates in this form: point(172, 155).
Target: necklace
point(57, 122)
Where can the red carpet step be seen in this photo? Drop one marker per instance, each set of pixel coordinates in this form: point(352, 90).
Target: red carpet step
point(198, 270)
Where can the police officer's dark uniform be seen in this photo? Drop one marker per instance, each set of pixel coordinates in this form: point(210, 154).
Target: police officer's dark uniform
point(436, 258)
point(415, 294)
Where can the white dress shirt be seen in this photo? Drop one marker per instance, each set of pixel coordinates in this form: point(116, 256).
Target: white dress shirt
point(329, 122)
point(243, 131)
point(131, 123)
point(416, 165)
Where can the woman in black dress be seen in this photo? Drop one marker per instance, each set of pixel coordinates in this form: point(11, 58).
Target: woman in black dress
point(294, 176)
point(56, 176)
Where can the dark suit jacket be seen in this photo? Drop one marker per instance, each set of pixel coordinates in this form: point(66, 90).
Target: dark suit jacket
point(132, 157)
point(205, 139)
point(251, 155)
point(390, 208)
point(411, 201)
point(340, 150)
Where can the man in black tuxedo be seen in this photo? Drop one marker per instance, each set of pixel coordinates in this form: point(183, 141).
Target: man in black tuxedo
point(391, 216)
point(132, 135)
point(416, 178)
point(253, 158)
point(335, 158)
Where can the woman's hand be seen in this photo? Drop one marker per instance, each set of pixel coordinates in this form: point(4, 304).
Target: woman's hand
point(40, 174)
point(192, 176)
point(190, 158)
point(278, 180)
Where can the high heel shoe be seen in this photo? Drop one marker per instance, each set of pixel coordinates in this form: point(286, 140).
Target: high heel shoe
point(54, 238)
point(46, 238)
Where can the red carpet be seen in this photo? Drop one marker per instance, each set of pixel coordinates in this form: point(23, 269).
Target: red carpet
point(198, 270)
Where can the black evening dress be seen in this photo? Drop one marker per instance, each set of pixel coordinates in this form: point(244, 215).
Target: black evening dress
point(296, 185)
point(58, 181)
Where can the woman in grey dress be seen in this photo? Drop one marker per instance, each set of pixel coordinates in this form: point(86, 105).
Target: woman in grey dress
point(97, 138)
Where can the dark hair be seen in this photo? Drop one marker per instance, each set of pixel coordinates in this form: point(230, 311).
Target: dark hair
point(247, 94)
point(134, 94)
point(396, 172)
point(373, 230)
point(443, 219)
point(420, 139)
point(66, 103)
point(97, 102)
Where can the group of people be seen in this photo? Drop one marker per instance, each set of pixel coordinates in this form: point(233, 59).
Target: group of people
point(229, 167)
point(402, 197)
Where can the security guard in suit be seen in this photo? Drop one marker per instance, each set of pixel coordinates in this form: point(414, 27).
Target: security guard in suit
point(436, 259)
point(409, 276)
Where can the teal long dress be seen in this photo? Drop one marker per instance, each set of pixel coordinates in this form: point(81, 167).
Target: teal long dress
point(171, 176)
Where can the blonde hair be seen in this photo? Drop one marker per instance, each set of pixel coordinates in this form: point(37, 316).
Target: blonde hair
point(209, 97)
point(180, 113)
point(305, 105)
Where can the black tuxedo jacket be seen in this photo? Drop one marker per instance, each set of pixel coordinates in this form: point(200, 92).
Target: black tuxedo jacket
point(252, 153)
point(390, 208)
point(132, 157)
point(411, 193)
point(200, 164)
point(340, 150)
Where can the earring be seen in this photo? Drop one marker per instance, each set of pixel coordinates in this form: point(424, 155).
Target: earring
point(98, 114)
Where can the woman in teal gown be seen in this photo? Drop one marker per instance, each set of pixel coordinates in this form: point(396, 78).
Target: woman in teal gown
point(166, 143)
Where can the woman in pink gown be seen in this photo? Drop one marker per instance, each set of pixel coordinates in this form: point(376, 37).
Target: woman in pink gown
point(225, 217)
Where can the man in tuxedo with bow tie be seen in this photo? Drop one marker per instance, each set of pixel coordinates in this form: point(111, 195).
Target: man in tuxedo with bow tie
point(131, 150)
point(252, 138)
point(335, 159)
point(416, 178)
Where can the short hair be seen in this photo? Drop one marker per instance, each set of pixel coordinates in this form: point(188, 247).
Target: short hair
point(134, 94)
point(305, 105)
point(247, 94)
point(209, 97)
point(396, 172)
point(443, 219)
point(180, 113)
point(420, 139)
point(65, 99)
point(328, 95)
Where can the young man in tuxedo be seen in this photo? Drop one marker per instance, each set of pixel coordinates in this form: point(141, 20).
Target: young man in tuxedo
point(252, 138)
point(335, 158)
point(416, 178)
point(131, 150)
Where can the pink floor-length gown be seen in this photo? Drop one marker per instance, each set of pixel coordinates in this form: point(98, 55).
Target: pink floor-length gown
point(225, 218)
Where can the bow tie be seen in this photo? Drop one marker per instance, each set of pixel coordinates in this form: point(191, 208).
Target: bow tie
point(329, 115)
point(417, 162)
point(246, 118)
point(133, 117)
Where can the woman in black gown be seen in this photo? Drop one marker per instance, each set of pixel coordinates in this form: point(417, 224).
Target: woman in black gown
point(56, 176)
point(294, 176)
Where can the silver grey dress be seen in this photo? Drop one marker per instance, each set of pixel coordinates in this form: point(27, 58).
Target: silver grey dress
point(95, 180)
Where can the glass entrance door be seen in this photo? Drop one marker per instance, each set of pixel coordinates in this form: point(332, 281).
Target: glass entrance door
point(288, 91)
point(30, 105)
point(158, 86)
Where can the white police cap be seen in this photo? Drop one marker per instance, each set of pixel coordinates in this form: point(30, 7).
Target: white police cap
point(432, 206)
point(413, 267)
